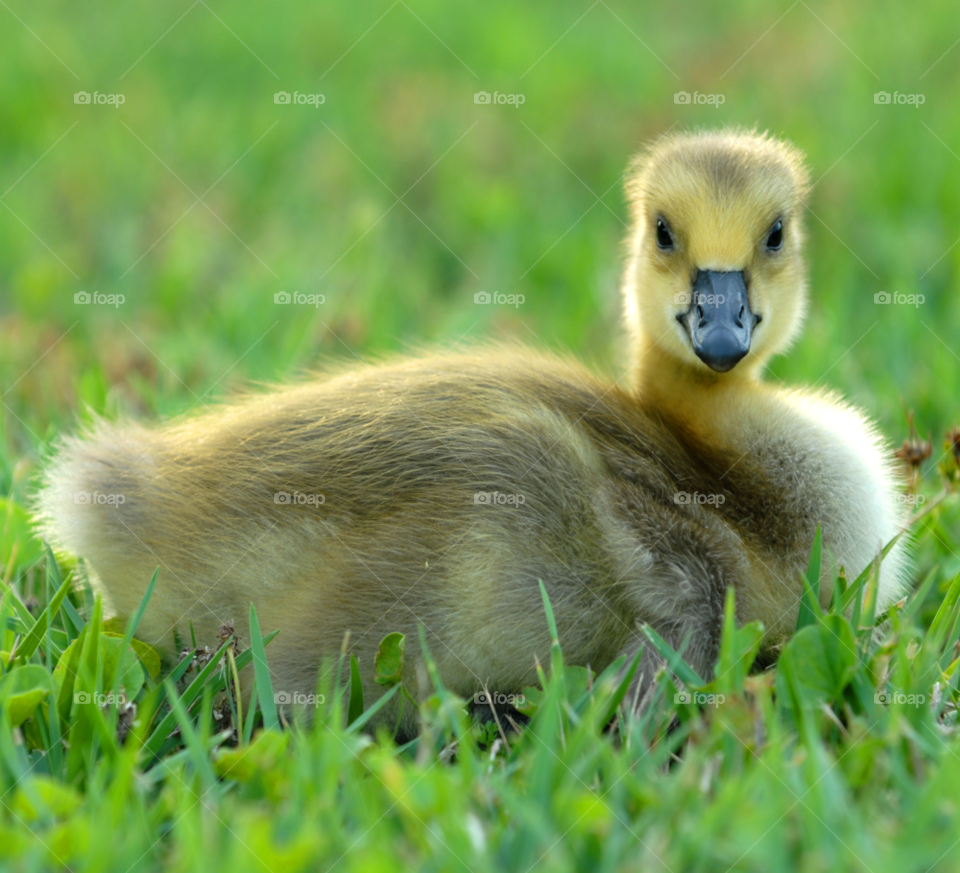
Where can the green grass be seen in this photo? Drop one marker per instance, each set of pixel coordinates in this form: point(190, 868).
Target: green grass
point(842, 758)
point(525, 201)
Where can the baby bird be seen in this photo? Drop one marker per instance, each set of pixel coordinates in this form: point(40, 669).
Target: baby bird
point(438, 490)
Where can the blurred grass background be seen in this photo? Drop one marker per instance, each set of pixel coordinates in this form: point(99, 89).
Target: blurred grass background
point(521, 200)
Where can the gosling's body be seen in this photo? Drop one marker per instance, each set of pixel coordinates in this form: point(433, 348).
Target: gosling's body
point(399, 455)
point(589, 473)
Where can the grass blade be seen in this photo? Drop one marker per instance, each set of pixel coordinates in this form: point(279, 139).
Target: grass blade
point(251, 716)
point(912, 609)
point(36, 634)
point(810, 601)
point(853, 591)
point(268, 705)
point(357, 724)
point(617, 698)
point(132, 626)
point(556, 655)
point(683, 671)
point(73, 616)
point(167, 724)
point(197, 753)
point(355, 708)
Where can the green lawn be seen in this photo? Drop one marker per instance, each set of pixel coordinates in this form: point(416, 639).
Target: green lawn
point(398, 199)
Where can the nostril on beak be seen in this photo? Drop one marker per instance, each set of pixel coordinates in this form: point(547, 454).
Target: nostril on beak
point(719, 320)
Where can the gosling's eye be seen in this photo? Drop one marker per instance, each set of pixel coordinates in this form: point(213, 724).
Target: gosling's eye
point(775, 240)
point(664, 240)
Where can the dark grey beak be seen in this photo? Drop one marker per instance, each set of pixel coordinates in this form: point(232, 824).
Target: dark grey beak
point(719, 319)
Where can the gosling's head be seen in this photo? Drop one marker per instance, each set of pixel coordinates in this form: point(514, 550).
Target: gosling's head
point(715, 277)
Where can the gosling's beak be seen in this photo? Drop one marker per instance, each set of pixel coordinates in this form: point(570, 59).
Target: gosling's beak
point(719, 319)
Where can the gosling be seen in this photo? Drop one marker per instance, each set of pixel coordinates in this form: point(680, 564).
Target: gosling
point(438, 490)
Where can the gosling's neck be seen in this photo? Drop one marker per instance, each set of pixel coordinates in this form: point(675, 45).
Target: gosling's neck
point(706, 405)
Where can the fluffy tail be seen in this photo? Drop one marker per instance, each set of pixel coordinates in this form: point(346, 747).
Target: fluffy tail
point(91, 471)
point(90, 504)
